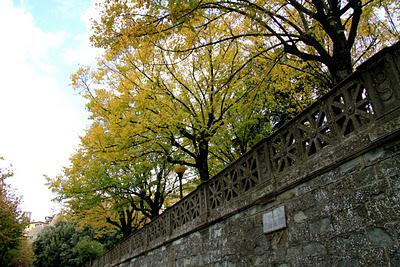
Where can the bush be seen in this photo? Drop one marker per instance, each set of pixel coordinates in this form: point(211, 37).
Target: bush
point(65, 245)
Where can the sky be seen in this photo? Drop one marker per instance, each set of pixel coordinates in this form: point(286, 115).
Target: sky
point(41, 117)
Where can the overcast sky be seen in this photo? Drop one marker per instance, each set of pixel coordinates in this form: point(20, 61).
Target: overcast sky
point(42, 42)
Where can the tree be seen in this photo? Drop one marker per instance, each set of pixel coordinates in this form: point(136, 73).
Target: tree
point(87, 250)
point(12, 223)
point(22, 255)
point(65, 245)
point(98, 191)
point(329, 35)
point(278, 102)
point(175, 105)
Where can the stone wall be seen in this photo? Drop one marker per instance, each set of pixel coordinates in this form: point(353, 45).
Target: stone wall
point(348, 216)
point(334, 169)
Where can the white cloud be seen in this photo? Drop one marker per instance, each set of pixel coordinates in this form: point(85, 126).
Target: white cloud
point(20, 35)
point(85, 54)
point(39, 123)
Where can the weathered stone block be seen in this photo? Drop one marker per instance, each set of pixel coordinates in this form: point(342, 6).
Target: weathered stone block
point(383, 209)
point(321, 228)
point(351, 166)
point(379, 237)
point(394, 255)
point(374, 155)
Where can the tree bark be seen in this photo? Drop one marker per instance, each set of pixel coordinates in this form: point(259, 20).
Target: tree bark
point(202, 161)
point(341, 64)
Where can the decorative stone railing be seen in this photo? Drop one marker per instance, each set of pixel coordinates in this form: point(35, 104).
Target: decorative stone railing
point(333, 129)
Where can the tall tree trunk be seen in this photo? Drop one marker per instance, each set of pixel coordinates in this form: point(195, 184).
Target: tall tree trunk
point(202, 161)
point(340, 65)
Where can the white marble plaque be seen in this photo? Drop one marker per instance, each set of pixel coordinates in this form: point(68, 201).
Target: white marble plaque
point(274, 220)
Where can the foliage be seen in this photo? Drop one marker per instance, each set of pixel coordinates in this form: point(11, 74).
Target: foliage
point(334, 33)
point(65, 245)
point(198, 83)
point(107, 195)
point(12, 223)
point(109, 239)
point(22, 255)
point(176, 106)
point(87, 250)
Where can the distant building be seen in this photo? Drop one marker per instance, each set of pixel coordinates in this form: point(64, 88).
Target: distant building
point(35, 227)
point(48, 219)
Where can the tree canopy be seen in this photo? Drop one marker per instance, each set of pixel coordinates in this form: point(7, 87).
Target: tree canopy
point(331, 35)
point(65, 244)
point(12, 224)
point(193, 107)
point(100, 192)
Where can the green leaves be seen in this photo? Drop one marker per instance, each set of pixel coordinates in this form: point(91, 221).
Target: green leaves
point(65, 244)
point(12, 222)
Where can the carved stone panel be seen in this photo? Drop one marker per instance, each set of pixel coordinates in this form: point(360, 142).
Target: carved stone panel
point(382, 80)
point(351, 108)
point(315, 131)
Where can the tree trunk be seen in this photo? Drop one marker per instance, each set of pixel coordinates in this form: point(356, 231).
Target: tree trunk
point(340, 65)
point(154, 206)
point(202, 162)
